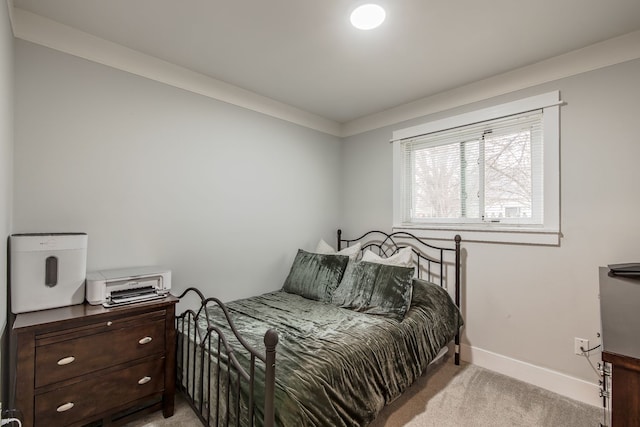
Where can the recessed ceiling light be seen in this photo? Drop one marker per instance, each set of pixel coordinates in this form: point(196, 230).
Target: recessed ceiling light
point(367, 16)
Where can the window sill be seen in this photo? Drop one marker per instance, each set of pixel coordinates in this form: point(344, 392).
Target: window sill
point(469, 233)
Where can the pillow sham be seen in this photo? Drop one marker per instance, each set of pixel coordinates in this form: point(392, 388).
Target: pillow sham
point(352, 251)
point(403, 258)
point(315, 276)
point(375, 288)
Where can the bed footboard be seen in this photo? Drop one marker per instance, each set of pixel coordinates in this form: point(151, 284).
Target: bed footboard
point(218, 375)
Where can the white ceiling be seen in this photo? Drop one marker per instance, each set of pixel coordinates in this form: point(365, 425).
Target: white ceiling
point(304, 53)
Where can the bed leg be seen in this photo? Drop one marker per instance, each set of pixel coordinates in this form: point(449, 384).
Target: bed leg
point(270, 341)
point(456, 356)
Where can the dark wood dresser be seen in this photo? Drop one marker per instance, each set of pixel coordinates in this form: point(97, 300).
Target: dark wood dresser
point(88, 365)
point(620, 315)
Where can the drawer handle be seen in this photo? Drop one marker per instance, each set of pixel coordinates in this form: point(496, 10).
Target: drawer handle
point(109, 323)
point(145, 340)
point(65, 407)
point(144, 380)
point(66, 360)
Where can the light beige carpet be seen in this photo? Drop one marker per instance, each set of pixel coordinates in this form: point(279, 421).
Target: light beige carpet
point(455, 396)
point(470, 396)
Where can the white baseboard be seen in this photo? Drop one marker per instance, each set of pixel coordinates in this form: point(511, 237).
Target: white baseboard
point(565, 385)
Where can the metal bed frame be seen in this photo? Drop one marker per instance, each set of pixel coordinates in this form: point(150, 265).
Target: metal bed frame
point(201, 353)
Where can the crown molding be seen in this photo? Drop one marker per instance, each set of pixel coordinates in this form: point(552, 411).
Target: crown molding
point(609, 52)
point(11, 8)
point(37, 29)
point(46, 32)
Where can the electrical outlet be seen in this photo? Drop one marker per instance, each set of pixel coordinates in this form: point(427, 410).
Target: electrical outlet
point(580, 342)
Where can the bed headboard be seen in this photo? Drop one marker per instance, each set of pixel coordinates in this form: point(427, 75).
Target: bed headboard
point(431, 260)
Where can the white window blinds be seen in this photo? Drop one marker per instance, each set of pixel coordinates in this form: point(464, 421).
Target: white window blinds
point(491, 171)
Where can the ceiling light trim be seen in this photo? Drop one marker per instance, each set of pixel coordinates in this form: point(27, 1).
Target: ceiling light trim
point(46, 32)
point(368, 16)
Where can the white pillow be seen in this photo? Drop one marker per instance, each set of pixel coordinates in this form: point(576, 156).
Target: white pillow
point(403, 258)
point(351, 251)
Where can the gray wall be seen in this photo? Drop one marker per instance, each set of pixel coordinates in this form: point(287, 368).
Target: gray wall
point(156, 175)
point(529, 302)
point(223, 196)
point(6, 155)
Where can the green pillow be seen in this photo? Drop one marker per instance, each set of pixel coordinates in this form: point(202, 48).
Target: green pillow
point(374, 288)
point(315, 276)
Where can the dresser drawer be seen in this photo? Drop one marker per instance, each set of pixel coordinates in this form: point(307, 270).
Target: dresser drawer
point(99, 394)
point(69, 358)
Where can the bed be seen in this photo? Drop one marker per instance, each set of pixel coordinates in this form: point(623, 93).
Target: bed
point(352, 329)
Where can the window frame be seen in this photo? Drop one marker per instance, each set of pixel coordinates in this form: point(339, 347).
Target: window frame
point(547, 233)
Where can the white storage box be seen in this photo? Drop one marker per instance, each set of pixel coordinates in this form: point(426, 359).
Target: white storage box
point(47, 270)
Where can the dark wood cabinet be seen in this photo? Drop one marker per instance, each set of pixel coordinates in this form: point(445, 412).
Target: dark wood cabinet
point(86, 365)
point(625, 389)
point(620, 315)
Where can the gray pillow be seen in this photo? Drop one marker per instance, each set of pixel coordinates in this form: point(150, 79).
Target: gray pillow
point(315, 276)
point(374, 288)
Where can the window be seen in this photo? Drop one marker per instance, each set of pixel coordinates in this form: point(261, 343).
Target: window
point(487, 172)
point(493, 170)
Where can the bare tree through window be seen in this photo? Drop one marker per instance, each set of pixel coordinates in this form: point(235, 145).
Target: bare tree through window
point(447, 178)
point(508, 189)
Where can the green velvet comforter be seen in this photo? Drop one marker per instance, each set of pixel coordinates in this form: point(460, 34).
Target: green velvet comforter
point(337, 367)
